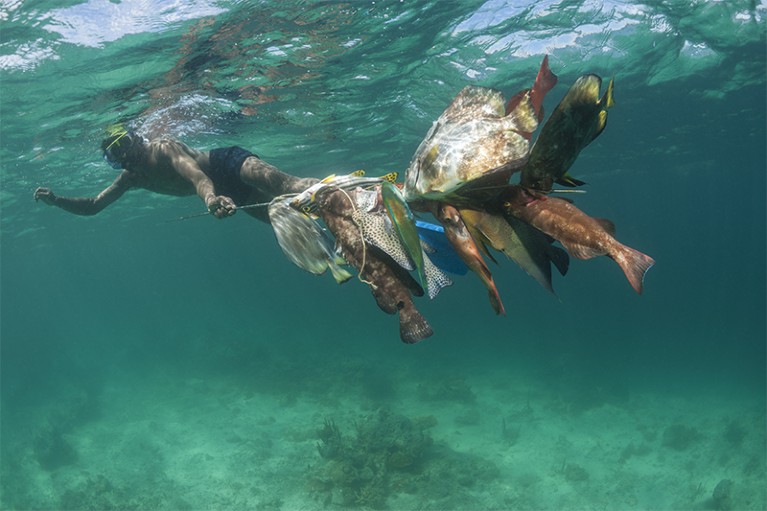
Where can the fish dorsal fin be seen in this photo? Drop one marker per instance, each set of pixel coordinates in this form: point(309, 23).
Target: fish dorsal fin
point(358, 173)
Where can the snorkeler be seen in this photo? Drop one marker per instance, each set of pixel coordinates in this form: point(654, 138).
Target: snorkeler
point(224, 178)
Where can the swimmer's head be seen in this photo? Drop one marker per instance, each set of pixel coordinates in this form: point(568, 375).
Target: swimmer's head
point(118, 146)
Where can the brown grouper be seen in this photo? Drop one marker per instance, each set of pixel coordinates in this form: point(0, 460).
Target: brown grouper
point(584, 237)
point(391, 288)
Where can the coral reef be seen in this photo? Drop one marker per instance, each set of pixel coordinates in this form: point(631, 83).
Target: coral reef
point(388, 454)
point(361, 470)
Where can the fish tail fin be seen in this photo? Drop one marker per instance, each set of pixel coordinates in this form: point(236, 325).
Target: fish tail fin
point(544, 82)
point(341, 275)
point(635, 265)
point(435, 278)
point(390, 177)
point(495, 301)
point(606, 101)
point(413, 327)
point(492, 292)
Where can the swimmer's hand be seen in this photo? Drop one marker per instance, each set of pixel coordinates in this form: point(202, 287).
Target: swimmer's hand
point(45, 195)
point(221, 206)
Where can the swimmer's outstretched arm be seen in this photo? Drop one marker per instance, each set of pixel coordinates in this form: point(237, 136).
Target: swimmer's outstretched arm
point(87, 205)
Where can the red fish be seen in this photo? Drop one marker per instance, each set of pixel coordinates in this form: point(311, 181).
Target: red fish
point(584, 237)
point(467, 250)
point(544, 82)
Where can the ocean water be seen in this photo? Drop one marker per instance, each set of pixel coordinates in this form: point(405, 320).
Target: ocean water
point(149, 363)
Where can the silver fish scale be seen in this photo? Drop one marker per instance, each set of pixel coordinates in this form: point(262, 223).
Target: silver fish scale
point(367, 200)
point(472, 138)
point(301, 239)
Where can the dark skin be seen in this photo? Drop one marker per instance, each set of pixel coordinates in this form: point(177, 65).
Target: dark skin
point(170, 167)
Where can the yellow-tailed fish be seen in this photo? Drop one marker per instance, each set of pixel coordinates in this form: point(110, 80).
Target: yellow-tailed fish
point(528, 247)
point(404, 225)
point(578, 119)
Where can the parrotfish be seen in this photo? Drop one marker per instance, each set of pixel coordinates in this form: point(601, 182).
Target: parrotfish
point(525, 245)
point(466, 247)
point(391, 288)
point(304, 242)
point(404, 225)
point(582, 236)
point(579, 118)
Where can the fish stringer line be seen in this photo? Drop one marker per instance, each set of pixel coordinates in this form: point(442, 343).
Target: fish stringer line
point(362, 240)
point(197, 215)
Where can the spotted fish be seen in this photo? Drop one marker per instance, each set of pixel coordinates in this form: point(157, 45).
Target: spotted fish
point(379, 231)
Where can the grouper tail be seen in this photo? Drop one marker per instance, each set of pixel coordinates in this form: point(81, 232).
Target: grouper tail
point(413, 327)
point(634, 264)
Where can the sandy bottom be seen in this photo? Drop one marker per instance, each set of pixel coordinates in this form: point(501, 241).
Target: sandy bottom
point(347, 437)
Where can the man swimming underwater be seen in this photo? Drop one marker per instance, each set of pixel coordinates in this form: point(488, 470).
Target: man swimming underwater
point(224, 178)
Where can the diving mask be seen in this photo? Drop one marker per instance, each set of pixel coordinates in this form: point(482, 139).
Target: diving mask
point(117, 148)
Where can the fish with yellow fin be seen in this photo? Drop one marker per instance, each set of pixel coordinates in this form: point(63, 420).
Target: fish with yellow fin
point(579, 118)
point(525, 245)
point(404, 224)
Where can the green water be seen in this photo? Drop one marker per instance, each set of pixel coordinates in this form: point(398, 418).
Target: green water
point(150, 364)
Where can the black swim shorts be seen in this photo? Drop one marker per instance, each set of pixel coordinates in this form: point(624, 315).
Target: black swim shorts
point(225, 165)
